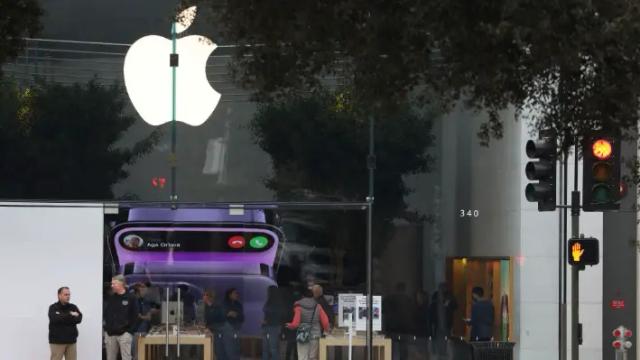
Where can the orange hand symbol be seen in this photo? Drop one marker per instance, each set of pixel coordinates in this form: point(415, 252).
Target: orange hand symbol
point(577, 251)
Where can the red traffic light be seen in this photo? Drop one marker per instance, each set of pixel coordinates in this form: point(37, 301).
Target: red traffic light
point(628, 333)
point(617, 333)
point(602, 149)
point(617, 344)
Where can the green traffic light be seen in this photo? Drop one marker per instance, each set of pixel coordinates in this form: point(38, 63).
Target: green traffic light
point(601, 194)
point(258, 242)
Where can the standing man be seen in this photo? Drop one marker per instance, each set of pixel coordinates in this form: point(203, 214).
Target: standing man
point(481, 316)
point(213, 318)
point(63, 331)
point(147, 310)
point(443, 306)
point(120, 320)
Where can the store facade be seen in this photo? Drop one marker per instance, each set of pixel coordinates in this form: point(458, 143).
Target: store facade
point(267, 193)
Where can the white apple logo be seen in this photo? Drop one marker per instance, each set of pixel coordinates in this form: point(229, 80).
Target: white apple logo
point(149, 80)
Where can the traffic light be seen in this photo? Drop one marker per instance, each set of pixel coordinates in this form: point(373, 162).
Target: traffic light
point(544, 171)
point(601, 172)
point(583, 251)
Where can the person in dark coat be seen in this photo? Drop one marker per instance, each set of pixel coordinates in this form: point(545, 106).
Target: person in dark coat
point(422, 324)
point(147, 310)
point(214, 320)
point(482, 313)
point(63, 330)
point(234, 317)
point(399, 319)
point(291, 295)
point(274, 318)
point(120, 320)
point(443, 306)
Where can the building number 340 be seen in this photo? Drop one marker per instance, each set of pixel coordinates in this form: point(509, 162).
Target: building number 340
point(469, 213)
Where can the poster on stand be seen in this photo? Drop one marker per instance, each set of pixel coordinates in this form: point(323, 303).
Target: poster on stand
point(346, 305)
point(361, 311)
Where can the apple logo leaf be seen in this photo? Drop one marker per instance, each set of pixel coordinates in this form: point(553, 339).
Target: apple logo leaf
point(185, 19)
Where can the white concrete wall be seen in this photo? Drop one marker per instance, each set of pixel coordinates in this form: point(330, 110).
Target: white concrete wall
point(538, 274)
point(44, 248)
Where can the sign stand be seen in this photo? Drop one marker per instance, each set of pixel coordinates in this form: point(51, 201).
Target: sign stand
point(352, 326)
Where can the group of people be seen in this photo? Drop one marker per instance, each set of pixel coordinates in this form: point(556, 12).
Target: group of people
point(121, 320)
point(128, 313)
point(224, 320)
point(433, 317)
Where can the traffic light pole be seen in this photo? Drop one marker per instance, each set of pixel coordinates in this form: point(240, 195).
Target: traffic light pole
point(562, 276)
point(172, 157)
point(575, 279)
point(576, 331)
point(371, 165)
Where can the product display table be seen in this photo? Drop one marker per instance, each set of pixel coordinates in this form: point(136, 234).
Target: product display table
point(381, 345)
point(156, 339)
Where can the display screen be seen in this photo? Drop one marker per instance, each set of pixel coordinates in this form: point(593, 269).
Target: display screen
point(191, 240)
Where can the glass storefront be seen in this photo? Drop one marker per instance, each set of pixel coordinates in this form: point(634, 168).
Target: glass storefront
point(181, 262)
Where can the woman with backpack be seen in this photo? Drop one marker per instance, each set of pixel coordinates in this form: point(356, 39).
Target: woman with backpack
point(310, 321)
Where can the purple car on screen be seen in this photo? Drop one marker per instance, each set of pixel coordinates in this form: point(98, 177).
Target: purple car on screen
point(198, 249)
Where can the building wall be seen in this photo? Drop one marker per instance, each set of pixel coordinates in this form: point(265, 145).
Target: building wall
point(620, 264)
point(492, 181)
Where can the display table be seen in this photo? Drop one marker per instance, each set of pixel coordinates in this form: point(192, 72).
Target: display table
point(156, 339)
point(381, 345)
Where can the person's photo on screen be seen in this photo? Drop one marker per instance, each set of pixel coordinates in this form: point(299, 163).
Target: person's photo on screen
point(133, 241)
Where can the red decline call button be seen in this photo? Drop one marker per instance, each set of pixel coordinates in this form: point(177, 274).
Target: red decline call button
point(236, 242)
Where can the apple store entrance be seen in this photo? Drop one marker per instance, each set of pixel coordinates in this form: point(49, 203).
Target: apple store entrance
point(222, 279)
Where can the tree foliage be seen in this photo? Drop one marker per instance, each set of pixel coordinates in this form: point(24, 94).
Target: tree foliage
point(575, 62)
point(319, 148)
point(18, 19)
point(61, 141)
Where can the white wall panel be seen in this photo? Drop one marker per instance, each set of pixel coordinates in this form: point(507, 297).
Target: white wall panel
point(42, 249)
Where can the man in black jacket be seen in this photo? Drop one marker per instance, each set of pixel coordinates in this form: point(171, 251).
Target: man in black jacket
point(120, 320)
point(63, 331)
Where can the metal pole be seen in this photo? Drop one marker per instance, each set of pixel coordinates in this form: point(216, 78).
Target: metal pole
point(166, 350)
point(371, 166)
point(178, 321)
point(562, 270)
point(575, 275)
point(173, 157)
point(575, 293)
